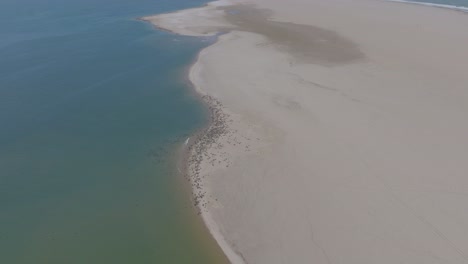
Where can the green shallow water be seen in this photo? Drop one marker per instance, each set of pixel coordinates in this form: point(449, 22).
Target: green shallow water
point(93, 104)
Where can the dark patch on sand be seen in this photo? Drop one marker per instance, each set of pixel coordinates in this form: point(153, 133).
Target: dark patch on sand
point(306, 43)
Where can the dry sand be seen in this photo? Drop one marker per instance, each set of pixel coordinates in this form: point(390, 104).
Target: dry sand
point(339, 130)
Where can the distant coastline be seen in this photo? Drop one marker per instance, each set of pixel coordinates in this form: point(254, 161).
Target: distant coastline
point(429, 4)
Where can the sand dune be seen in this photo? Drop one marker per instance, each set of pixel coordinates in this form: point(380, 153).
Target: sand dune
point(342, 134)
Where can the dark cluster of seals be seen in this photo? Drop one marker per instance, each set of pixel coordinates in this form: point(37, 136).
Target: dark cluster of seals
point(201, 149)
point(198, 150)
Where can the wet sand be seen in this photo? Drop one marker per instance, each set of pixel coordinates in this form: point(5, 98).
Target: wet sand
point(338, 130)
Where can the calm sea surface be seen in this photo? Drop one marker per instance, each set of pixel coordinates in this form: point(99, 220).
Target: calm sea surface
point(92, 106)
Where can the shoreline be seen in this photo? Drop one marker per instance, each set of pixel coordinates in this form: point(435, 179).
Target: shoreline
point(284, 132)
point(189, 170)
point(199, 142)
point(201, 139)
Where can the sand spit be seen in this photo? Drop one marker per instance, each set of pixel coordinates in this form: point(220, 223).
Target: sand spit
point(198, 22)
point(338, 130)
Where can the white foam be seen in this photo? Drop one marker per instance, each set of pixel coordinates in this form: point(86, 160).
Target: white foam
point(453, 7)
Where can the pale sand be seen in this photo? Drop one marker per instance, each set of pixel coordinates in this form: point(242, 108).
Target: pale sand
point(343, 132)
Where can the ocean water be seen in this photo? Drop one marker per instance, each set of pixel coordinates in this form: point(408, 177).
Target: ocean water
point(92, 106)
point(461, 5)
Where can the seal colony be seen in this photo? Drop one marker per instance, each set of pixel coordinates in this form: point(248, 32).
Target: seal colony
point(337, 130)
point(199, 150)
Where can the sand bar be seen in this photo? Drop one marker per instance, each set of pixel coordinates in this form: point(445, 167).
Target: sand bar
point(339, 130)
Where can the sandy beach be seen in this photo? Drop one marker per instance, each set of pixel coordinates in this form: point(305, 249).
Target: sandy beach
point(338, 130)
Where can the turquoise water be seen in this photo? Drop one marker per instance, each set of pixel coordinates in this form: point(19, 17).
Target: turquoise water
point(92, 105)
